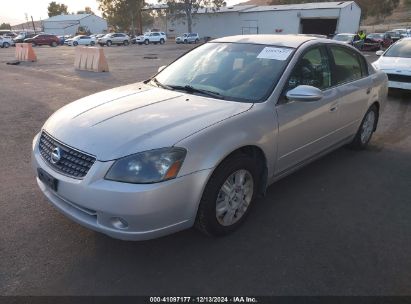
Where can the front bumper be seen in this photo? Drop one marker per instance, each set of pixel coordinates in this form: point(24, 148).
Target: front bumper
point(149, 210)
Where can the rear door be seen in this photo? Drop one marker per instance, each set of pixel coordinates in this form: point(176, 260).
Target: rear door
point(354, 86)
point(307, 128)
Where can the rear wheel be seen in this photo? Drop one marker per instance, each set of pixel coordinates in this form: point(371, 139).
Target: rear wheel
point(196, 41)
point(126, 43)
point(367, 128)
point(228, 196)
point(53, 44)
point(6, 45)
point(162, 41)
point(185, 41)
point(92, 43)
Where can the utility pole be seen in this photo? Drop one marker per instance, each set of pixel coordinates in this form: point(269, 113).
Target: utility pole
point(32, 22)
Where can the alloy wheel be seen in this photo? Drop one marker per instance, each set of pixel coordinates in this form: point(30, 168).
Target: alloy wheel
point(234, 197)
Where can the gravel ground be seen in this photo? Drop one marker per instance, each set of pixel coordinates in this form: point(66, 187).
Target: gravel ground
point(340, 226)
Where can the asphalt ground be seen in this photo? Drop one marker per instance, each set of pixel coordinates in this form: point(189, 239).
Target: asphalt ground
point(339, 226)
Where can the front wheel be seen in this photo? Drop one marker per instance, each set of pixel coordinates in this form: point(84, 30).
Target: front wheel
point(6, 45)
point(126, 43)
point(228, 196)
point(367, 128)
point(146, 42)
point(109, 43)
point(92, 43)
point(162, 41)
point(75, 43)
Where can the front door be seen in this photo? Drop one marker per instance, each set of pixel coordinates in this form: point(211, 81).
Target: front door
point(307, 128)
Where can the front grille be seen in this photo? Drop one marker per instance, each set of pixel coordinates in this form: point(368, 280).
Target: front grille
point(72, 162)
point(399, 78)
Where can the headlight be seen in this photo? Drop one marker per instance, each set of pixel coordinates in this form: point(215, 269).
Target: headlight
point(148, 167)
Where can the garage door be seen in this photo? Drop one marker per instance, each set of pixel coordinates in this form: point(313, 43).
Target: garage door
point(318, 26)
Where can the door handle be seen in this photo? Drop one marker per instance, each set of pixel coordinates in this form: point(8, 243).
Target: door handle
point(333, 108)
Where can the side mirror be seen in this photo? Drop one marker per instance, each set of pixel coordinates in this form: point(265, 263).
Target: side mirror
point(161, 68)
point(379, 53)
point(305, 93)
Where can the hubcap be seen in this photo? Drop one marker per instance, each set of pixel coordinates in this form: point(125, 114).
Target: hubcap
point(367, 127)
point(234, 197)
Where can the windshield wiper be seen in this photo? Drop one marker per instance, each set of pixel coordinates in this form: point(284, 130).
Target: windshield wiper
point(159, 84)
point(191, 89)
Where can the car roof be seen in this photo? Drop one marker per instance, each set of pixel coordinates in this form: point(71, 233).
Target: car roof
point(292, 41)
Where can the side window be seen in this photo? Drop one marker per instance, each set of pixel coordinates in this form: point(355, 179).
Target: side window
point(348, 66)
point(312, 69)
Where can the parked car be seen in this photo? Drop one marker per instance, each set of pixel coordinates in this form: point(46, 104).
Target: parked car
point(188, 38)
point(396, 62)
point(197, 143)
point(351, 39)
point(376, 41)
point(395, 35)
point(80, 40)
point(23, 35)
point(114, 38)
point(43, 39)
point(6, 41)
point(152, 37)
point(8, 33)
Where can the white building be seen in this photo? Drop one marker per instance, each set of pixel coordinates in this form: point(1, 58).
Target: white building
point(310, 18)
point(69, 24)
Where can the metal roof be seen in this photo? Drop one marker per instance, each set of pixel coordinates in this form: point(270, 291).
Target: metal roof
point(256, 8)
point(303, 6)
point(292, 41)
point(73, 17)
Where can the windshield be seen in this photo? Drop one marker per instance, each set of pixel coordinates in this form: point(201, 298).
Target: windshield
point(400, 49)
point(232, 71)
point(343, 38)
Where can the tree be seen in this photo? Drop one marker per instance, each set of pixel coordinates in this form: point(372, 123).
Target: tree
point(189, 8)
point(5, 26)
point(56, 9)
point(87, 10)
point(122, 14)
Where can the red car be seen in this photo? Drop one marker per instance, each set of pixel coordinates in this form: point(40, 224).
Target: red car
point(376, 42)
point(43, 39)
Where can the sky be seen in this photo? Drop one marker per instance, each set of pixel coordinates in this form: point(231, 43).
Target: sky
point(13, 11)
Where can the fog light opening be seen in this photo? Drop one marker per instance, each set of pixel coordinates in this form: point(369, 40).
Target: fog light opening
point(119, 223)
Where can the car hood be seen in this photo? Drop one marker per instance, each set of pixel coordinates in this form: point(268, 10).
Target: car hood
point(135, 118)
point(394, 63)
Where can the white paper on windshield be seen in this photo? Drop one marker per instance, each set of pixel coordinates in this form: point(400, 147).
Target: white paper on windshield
point(275, 53)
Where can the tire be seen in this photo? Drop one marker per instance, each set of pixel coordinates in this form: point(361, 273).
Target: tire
point(53, 44)
point(139, 43)
point(230, 216)
point(109, 43)
point(146, 42)
point(366, 129)
point(185, 41)
point(126, 43)
point(162, 41)
point(6, 45)
point(75, 43)
point(101, 44)
point(33, 44)
point(196, 41)
point(92, 43)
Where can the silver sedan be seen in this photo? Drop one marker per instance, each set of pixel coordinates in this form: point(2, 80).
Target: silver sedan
point(201, 140)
